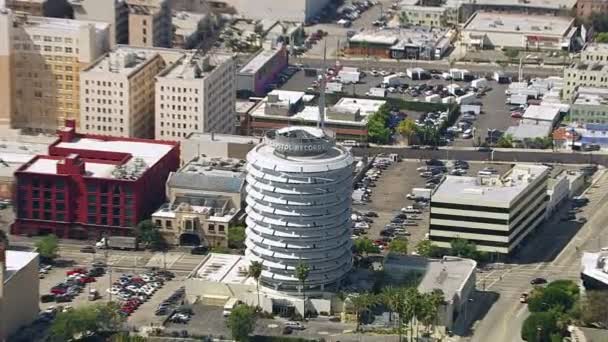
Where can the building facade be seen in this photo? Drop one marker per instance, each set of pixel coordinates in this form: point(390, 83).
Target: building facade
point(586, 8)
point(197, 94)
point(426, 16)
point(150, 23)
point(31, 7)
point(40, 63)
point(260, 71)
point(590, 106)
point(299, 185)
point(117, 93)
point(496, 213)
point(19, 292)
point(293, 10)
point(91, 185)
point(113, 12)
point(205, 198)
point(590, 71)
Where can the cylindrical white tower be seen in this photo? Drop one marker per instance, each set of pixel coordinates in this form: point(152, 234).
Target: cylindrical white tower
point(299, 186)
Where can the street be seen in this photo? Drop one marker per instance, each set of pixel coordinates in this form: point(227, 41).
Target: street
point(553, 253)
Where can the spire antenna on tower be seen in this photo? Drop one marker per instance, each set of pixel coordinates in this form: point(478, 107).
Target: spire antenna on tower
point(322, 85)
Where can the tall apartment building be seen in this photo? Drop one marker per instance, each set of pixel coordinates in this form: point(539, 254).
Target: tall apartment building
point(114, 12)
point(496, 213)
point(590, 71)
point(150, 23)
point(196, 94)
point(117, 93)
point(40, 63)
point(32, 7)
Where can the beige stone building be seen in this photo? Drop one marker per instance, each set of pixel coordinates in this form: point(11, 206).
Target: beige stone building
point(149, 23)
point(40, 63)
point(19, 294)
point(32, 7)
point(426, 16)
point(590, 71)
point(118, 93)
point(205, 197)
point(114, 12)
point(196, 94)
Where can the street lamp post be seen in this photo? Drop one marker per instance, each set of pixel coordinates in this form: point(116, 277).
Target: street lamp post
point(520, 75)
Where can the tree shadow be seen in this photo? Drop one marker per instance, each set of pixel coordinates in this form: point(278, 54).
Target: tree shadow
point(477, 310)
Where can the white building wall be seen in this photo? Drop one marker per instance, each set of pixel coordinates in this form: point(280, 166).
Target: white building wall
point(292, 10)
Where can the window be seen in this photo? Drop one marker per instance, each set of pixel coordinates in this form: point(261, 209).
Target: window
point(59, 196)
point(91, 219)
point(47, 39)
point(68, 50)
point(36, 194)
point(60, 217)
point(212, 228)
point(36, 205)
point(104, 221)
point(91, 209)
point(168, 224)
point(60, 206)
point(221, 228)
point(48, 48)
point(158, 223)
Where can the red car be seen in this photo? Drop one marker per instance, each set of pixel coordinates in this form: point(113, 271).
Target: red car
point(517, 115)
point(87, 280)
point(380, 242)
point(77, 270)
point(58, 290)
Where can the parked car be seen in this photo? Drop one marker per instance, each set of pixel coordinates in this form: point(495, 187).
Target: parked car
point(538, 281)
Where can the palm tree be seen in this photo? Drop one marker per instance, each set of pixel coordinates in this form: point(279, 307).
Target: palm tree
point(255, 271)
point(409, 307)
point(302, 272)
point(393, 297)
point(362, 303)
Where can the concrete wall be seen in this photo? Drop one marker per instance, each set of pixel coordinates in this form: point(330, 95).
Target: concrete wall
point(20, 299)
point(193, 148)
point(5, 69)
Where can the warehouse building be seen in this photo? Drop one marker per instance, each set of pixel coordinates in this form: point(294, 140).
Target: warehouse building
point(293, 10)
point(486, 30)
point(90, 185)
point(495, 212)
point(590, 106)
point(262, 70)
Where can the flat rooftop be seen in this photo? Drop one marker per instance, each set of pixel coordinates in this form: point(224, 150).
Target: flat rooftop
point(590, 263)
point(143, 155)
point(591, 96)
point(365, 106)
point(123, 60)
point(596, 47)
point(186, 23)
point(222, 138)
point(224, 268)
point(490, 191)
point(194, 66)
point(144, 7)
point(259, 60)
point(57, 24)
point(547, 4)
point(544, 113)
point(404, 36)
point(524, 24)
point(15, 261)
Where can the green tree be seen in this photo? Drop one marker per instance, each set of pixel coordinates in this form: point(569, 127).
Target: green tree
point(539, 327)
point(410, 307)
point(551, 297)
point(362, 303)
point(427, 249)
point(255, 271)
point(398, 246)
point(365, 246)
point(594, 307)
point(241, 322)
point(506, 141)
point(149, 234)
point(377, 130)
point(568, 286)
point(431, 302)
point(125, 337)
point(392, 297)
point(511, 53)
point(463, 248)
point(236, 237)
point(96, 318)
point(428, 135)
point(302, 273)
point(601, 37)
point(47, 247)
point(407, 128)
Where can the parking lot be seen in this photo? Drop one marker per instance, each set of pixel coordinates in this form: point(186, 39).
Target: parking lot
point(389, 196)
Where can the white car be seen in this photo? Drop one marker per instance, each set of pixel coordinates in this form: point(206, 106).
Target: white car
point(113, 290)
point(294, 325)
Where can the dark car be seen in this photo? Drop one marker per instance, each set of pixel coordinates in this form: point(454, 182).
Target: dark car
point(199, 250)
point(435, 162)
point(87, 249)
point(371, 214)
point(47, 298)
point(484, 149)
point(538, 281)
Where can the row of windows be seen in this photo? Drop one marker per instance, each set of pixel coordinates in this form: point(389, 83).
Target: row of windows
point(104, 221)
point(104, 83)
point(175, 134)
point(179, 90)
point(53, 39)
point(179, 107)
point(179, 125)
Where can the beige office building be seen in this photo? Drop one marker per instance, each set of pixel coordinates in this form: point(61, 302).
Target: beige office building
point(590, 71)
point(40, 62)
point(426, 16)
point(118, 93)
point(19, 290)
point(150, 23)
point(32, 7)
point(114, 12)
point(196, 94)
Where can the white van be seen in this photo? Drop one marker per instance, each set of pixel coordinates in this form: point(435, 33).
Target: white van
point(230, 305)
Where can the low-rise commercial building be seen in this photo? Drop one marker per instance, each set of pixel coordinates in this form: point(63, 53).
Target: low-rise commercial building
point(347, 118)
point(492, 30)
point(216, 146)
point(454, 277)
point(407, 43)
point(587, 8)
point(541, 114)
point(205, 197)
point(495, 212)
point(31, 7)
point(87, 186)
point(197, 93)
point(590, 106)
point(40, 63)
point(293, 10)
point(262, 70)
point(429, 16)
point(19, 294)
point(590, 72)
point(595, 270)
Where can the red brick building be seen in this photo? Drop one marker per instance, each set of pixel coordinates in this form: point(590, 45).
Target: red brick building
point(88, 185)
point(585, 8)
